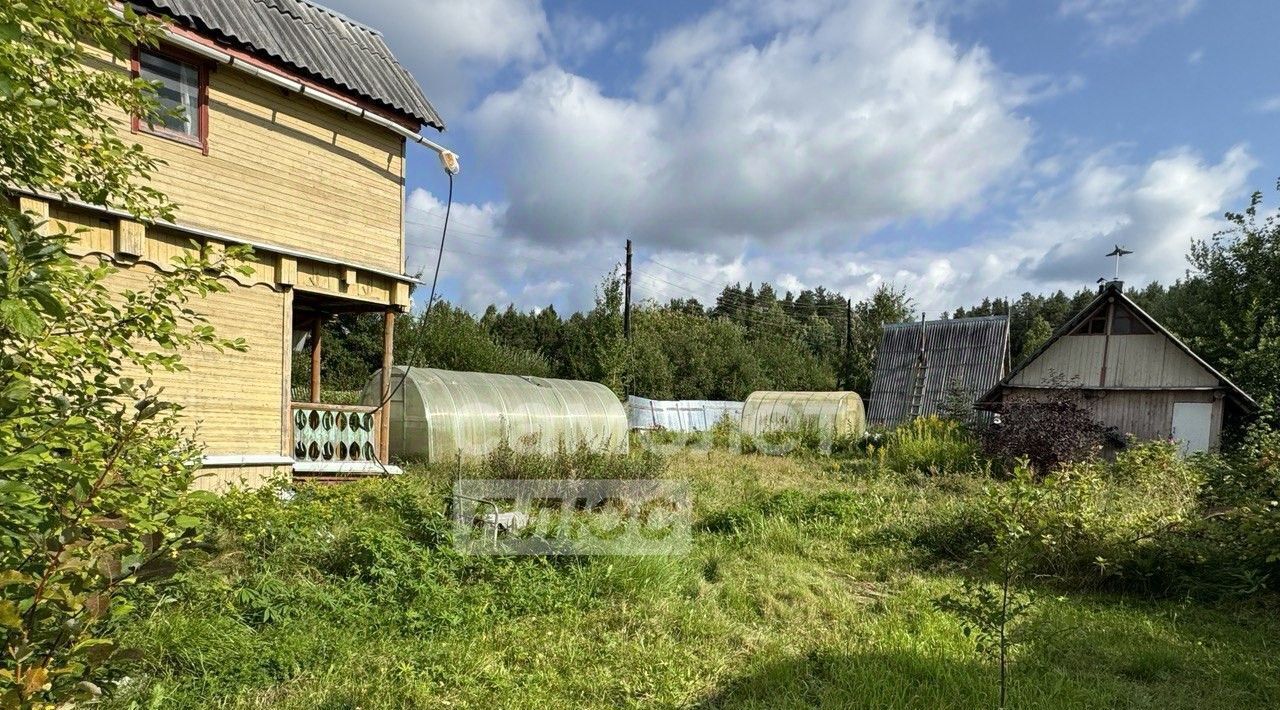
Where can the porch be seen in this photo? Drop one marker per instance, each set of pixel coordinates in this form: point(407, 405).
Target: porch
point(337, 440)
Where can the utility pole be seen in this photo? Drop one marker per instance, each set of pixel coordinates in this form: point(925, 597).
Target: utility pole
point(626, 297)
point(848, 342)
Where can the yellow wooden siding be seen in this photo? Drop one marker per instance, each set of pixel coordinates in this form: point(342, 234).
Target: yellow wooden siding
point(1132, 361)
point(232, 399)
point(341, 281)
point(223, 479)
point(286, 170)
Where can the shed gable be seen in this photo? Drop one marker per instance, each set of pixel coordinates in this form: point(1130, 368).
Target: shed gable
point(1151, 361)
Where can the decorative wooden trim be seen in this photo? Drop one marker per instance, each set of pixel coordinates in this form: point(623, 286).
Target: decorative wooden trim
point(130, 237)
point(319, 406)
point(38, 207)
point(384, 390)
point(286, 379)
point(228, 238)
point(400, 295)
point(287, 273)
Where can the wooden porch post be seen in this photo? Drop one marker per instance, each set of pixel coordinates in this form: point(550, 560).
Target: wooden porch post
point(317, 328)
point(388, 360)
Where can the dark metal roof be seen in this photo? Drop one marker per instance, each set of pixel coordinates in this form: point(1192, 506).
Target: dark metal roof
point(312, 40)
point(971, 352)
point(1115, 289)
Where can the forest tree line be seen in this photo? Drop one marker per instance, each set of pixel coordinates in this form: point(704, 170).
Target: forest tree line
point(753, 338)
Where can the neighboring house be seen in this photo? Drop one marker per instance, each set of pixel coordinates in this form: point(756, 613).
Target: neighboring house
point(1136, 376)
point(920, 365)
point(293, 142)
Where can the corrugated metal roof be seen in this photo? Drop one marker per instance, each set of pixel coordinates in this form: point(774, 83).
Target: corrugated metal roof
point(312, 39)
point(969, 351)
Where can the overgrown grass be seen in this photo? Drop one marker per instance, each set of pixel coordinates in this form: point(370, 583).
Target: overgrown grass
point(810, 583)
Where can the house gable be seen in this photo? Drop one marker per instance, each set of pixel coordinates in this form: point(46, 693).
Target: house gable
point(1113, 344)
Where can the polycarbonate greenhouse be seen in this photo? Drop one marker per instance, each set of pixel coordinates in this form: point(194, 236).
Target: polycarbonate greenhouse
point(838, 414)
point(438, 414)
point(682, 415)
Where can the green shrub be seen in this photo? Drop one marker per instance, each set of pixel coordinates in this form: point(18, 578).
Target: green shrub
point(1249, 473)
point(1092, 524)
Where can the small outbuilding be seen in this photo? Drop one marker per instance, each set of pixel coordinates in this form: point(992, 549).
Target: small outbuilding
point(438, 414)
point(838, 414)
point(920, 365)
point(1135, 376)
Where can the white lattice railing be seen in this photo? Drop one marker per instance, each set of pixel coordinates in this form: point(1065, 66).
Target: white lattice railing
point(334, 434)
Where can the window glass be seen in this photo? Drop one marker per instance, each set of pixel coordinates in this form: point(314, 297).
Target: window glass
point(179, 91)
point(1126, 323)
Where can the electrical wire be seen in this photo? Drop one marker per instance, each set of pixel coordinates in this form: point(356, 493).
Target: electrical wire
point(435, 280)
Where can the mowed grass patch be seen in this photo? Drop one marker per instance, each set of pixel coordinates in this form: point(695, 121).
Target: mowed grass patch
point(805, 587)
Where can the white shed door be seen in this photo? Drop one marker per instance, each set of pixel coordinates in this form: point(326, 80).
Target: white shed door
point(1191, 424)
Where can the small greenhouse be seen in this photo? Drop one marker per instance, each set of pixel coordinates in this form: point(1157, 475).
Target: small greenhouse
point(838, 414)
point(682, 415)
point(438, 414)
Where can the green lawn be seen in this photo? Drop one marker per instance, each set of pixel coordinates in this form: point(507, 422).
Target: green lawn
point(348, 598)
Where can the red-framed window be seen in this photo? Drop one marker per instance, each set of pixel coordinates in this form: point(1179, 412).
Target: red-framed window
point(183, 92)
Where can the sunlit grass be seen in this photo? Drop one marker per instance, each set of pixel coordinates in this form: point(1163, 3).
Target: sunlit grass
point(802, 589)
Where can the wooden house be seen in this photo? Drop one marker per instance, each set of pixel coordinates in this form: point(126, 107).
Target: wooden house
point(1135, 375)
point(292, 141)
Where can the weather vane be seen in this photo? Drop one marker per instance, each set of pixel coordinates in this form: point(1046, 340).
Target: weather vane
point(1118, 252)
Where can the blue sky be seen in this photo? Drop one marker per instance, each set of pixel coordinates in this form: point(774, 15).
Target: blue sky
point(955, 149)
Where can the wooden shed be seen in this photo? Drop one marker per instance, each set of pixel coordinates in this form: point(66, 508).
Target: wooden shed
point(1135, 375)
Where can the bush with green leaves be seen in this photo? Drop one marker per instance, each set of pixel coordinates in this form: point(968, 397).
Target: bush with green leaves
point(1089, 521)
point(93, 462)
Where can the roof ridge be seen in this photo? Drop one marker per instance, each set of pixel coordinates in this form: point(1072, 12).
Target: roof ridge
point(340, 16)
point(916, 323)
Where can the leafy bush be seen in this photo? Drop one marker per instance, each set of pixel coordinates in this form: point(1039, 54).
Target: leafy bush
point(1048, 430)
point(1250, 472)
point(1090, 524)
point(93, 463)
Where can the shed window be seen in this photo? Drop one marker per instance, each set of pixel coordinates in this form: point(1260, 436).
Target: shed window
point(1126, 323)
point(1095, 324)
point(181, 87)
point(1123, 322)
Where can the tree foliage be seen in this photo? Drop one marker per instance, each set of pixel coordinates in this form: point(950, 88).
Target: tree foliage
point(93, 462)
